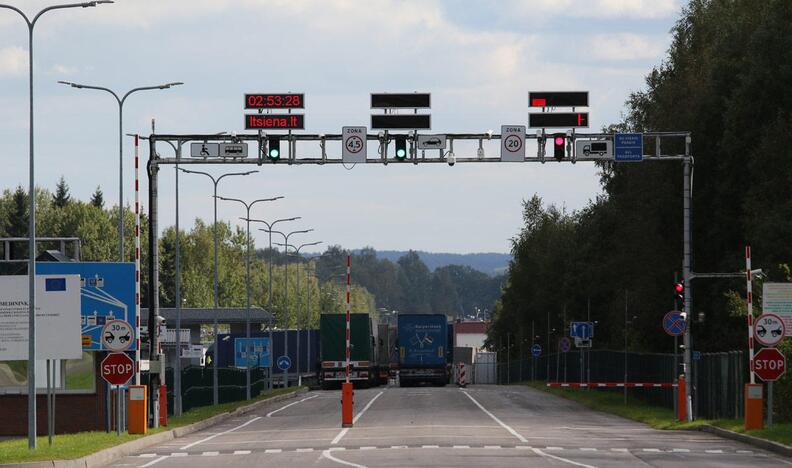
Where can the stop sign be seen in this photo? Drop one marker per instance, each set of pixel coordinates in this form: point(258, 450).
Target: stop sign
point(117, 368)
point(769, 364)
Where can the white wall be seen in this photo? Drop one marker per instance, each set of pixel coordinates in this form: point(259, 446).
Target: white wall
point(470, 340)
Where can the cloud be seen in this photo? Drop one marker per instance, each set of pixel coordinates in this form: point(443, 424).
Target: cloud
point(63, 70)
point(649, 9)
point(13, 61)
point(618, 47)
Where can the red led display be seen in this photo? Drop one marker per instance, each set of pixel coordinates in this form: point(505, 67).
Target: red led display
point(274, 101)
point(274, 121)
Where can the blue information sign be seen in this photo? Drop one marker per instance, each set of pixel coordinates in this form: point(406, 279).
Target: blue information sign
point(628, 147)
point(107, 292)
point(582, 330)
point(252, 353)
point(674, 324)
point(565, 345)
point(284, 363)
point(536, 350)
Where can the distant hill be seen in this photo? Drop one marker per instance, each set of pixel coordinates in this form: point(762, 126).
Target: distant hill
point(489, 263)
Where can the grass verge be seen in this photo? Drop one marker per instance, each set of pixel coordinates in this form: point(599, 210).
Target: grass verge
point(659, 417)
point(71, 446)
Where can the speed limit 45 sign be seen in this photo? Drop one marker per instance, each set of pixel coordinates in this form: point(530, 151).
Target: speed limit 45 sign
point(353, 144)
point(513, 143)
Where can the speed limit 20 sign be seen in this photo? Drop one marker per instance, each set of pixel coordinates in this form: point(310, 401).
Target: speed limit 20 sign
point(353, 144)
point(513, 143)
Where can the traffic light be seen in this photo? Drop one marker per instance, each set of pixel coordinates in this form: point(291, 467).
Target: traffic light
point(401, 147)
point(559, 144)
point(273, 148)
point(679, 295)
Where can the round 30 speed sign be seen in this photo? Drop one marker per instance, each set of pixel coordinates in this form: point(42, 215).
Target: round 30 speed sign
point(769, 329)
point(117, 335)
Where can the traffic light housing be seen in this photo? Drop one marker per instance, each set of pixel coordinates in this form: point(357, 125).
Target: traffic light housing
point(559, 146)
point(401, 147)
point(273, 148)
point(679, 295)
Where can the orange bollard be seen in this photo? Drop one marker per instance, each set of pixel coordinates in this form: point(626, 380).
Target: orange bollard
point(347, 404)
point(163, 405)
point(137, 409)
point(682, 398)
point(754, 406)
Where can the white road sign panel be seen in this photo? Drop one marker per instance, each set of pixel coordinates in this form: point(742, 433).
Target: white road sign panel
point(353, 144)
point(117, 335)
point(600, 149)
point(233, 150)
point(57, 317)
point(204, 150)
point(430, 142)
point(777, 299)
point(769, 329)
point(513, 143)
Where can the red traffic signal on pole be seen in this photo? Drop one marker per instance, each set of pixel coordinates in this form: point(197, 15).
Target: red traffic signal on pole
point(559, 144)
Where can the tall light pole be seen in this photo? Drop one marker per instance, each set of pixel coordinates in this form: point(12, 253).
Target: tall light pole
point(31, 365)
point(286, 296)
point(120, 101)
point(215, 181)
point(269, 285)
point(248, 206)
point(299, 302)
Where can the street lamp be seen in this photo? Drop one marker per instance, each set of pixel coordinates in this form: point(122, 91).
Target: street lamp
point(215, 181)
point(248, 206)
point(299, 301)
point(31, 366)
point(121, 147)
point(269, 284)
point(286, 296)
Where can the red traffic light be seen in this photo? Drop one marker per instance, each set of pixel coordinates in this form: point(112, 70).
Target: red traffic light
point(679, 287)
point(559, 141)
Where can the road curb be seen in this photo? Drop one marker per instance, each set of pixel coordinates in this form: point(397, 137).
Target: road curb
point(768, 445)
point(110, 454)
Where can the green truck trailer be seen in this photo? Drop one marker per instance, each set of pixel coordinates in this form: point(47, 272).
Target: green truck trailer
point(363, 366)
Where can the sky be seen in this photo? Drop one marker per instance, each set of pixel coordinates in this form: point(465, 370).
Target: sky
point(478, 58)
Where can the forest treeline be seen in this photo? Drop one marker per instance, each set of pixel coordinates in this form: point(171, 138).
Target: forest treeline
point(725, 79)
point(316, 283)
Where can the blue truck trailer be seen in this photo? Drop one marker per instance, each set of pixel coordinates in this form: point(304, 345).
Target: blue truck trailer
point(423, 349)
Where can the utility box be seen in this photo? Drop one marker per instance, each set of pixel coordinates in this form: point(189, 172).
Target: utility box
point(137, 406)
point(754, 406)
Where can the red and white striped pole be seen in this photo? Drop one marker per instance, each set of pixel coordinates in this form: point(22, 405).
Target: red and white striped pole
point(137, 261)
point(348, 311)
point(749, 299)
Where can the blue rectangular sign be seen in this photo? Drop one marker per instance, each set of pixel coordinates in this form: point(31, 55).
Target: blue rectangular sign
point(628, 147)
point(107, 292)
point(257, 353)
point(582, 330)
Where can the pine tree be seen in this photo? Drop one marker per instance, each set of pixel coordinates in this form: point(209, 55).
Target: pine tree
point(97, 199)
point(61, 197)
point(17, 223)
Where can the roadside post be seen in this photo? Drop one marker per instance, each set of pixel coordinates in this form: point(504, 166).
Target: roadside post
point(347, 392)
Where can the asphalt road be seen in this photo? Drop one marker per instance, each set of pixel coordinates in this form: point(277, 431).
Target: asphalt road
point(445, 427)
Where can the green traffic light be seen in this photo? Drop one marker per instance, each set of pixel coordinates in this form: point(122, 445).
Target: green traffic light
point(400, 153)
point(274, 153)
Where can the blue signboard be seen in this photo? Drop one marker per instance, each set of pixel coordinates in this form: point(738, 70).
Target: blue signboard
point(628, 147)
point(565, 345)
point(284, 363)
point(582, 330)
point(536, 350)
point(257, 353)
point(107, 292)
point(674, 323)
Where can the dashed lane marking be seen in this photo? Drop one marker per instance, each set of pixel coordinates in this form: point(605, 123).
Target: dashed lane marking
point(273, 451)
point(561, 459)
point(461, 446)
point(154, 461)
point(220, 433)
point(328, 454)
point(355, 419)
point(241, 452)
point(304, 450)
point(684, 450)
point(652, 450)
point(620, 450)
point(588, 449)
point(714, 451)
point(269, 415)
point(210, 454)
point(148, 455)
point(179, 454)
point(430, 446)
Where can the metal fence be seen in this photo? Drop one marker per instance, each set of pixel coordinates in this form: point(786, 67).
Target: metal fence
point(197, 385)
point(718, 378)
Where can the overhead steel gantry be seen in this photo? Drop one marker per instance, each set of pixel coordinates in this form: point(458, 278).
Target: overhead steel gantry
point(677, 145)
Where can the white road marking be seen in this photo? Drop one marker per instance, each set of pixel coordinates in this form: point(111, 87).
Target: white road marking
point(430, 446)
point(492, 446)
point(355, 419)
point(368, 447)
point(241, 452)
point(494, 418)
point(179, 454)
point(291, 404)
point(588, 449)
point(210, 454)
point(154, 461)
point(461, 446)
point(273, 451)
point(399, 446)
point(220, 433)
point(741, 451)
point(619, 450)
point(304, 450)
point(554, 448)
point(653, 450)
point(680, 450)
point(147, 455)
point(714, 451)
point(561, 459)
point(327, 454)
point(523, 447)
